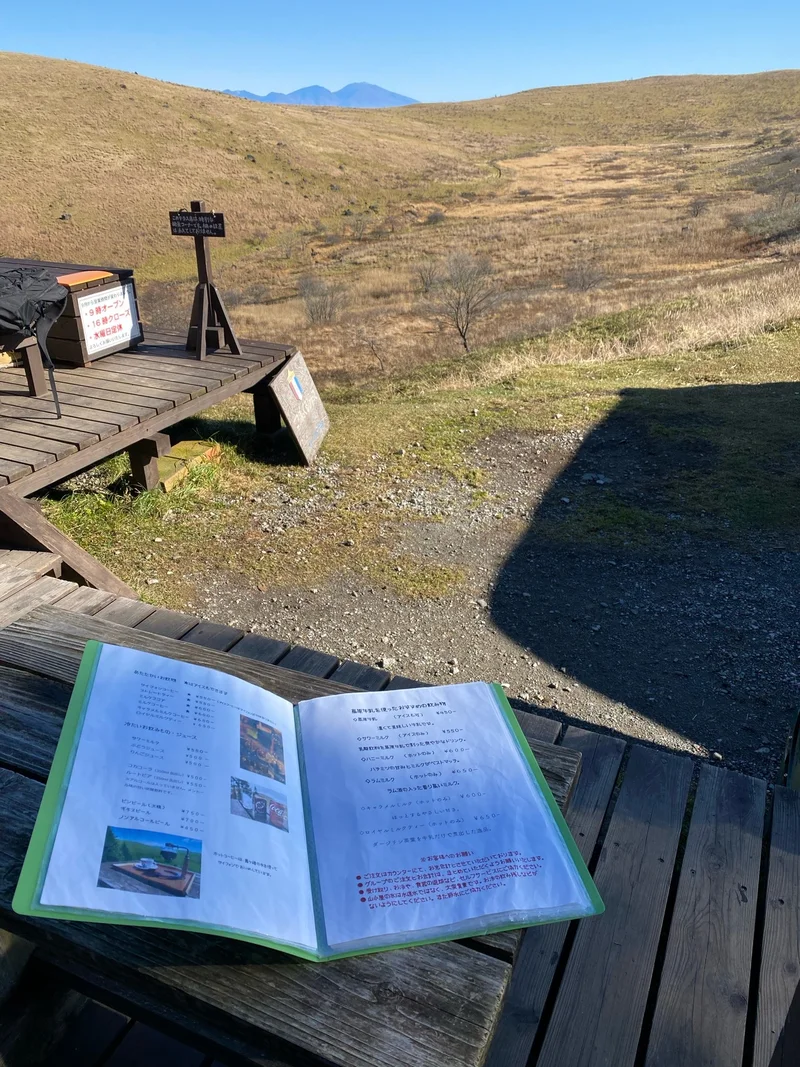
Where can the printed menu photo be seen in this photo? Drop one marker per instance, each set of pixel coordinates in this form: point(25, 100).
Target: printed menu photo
point(187, 798)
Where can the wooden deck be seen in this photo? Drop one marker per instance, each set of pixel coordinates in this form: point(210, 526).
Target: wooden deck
point(695, 961)
point(114, 403)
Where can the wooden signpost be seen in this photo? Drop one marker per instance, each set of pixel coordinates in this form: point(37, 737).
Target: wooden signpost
point(209, 327)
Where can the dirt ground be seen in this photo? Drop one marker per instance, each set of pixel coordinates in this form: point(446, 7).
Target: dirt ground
point(688, 641)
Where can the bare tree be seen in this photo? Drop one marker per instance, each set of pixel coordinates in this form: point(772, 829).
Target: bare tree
point(322, 300)
point(358, 225)
point(289, 243)
point(427, 272)
point(465, 292)
point(584, 275)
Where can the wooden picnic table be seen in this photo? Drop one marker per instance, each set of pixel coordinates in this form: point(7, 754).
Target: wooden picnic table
point(436, 1005)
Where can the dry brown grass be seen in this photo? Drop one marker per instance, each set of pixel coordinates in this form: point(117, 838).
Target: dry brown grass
point(587, 200)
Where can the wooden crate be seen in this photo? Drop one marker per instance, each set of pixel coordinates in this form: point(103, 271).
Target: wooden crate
point(101, 317)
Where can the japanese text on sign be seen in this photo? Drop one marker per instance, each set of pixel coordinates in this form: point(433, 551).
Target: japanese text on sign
point(197, 223)
point(108, 318)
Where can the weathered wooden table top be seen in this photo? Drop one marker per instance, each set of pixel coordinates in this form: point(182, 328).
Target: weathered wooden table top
point(436, 1005)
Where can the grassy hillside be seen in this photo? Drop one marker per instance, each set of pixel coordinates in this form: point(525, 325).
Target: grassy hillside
point(587, 200)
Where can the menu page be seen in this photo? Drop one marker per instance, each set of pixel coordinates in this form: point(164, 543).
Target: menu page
point(426, 815)
point(184, 803)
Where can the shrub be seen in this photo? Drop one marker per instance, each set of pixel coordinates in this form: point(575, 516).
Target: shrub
point(427, 273)
point(779, 221)
point(322, 300)
point(584, 276)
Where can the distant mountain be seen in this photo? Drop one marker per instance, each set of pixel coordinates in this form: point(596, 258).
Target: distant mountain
point(357, 94)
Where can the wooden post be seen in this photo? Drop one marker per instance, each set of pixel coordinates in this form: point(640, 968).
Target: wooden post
point(265, 408)
point(144, 459)
point(34, 369)
point(210, 325)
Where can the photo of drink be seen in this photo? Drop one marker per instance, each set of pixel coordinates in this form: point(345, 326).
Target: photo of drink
point(251, 801)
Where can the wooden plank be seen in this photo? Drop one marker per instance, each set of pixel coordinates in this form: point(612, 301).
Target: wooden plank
point(89, 1037)
point(537, 726)
point(167, 623)
point(8, 555)
point(600, 1006)
point(361, 676)
point(23, 524)
point(126, 611)
point(127, 401)
point(143, 1044)
point(213, 635)
point(107, 377)
point(29, 442)
point(701, 1006)
point(36, 563)
point(12, 472)
point(401, 682)
point(540, 950)
point(15, 580)
point(255, 646)
point(175, 373)
point(777, 1031)
point(180, 370)
point(86, 600)
point(132, 433)
point(42, 432)
point(234, 363)
point(434, 1006)
point(69, 383)
point(309, 661)
point(22, 455)
point(86, 430)
point(90, 407)
point(41, 591)
point(32, 709)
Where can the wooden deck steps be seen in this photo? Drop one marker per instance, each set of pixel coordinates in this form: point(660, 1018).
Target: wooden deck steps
point(35, 563)
point(27, 580)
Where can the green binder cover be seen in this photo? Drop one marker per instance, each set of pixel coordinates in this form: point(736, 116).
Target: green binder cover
point(185, 798)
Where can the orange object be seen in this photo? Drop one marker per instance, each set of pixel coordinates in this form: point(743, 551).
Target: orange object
point(82, 276)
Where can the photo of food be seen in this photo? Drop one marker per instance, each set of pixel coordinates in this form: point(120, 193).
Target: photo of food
point(261, 749)
point(142, 861)
point(249, 800)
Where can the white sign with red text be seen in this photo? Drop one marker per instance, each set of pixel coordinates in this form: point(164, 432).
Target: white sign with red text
point(109, 318)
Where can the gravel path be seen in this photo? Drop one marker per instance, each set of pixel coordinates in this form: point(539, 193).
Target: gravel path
point(691, 643)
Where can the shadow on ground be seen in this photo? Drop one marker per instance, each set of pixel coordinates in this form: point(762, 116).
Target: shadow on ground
point(661, 569)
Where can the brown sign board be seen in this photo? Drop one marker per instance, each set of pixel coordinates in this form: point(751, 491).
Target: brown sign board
point(301, 406)
point(197, 223)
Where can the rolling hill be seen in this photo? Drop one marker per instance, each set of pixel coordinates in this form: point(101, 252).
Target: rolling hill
point(586, 199)
point(117, 151)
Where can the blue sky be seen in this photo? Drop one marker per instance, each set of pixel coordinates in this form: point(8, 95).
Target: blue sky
point(434, 50)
